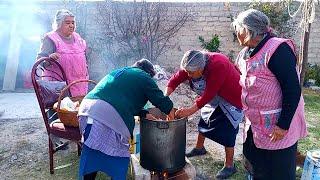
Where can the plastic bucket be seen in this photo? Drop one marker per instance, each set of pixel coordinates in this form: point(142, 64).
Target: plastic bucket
point(311, 167)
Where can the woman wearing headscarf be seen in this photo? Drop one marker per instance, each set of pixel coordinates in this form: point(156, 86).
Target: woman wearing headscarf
point(67, 47)
point(106, 118)
point(271, 98)
point(214, 78)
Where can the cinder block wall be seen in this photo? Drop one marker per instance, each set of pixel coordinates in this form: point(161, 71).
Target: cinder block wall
point(212, 18)
point(208, 19)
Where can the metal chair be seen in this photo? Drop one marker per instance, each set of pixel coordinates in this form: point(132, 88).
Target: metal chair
point(48, 79)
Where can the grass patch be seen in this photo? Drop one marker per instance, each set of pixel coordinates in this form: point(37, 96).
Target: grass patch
point(66, 168)
point(207, 167)
point(311, 142)
point(312, 109)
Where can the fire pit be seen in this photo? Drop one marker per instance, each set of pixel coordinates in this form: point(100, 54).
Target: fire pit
point(188, 172)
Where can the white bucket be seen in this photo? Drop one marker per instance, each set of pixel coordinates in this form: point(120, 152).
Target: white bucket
point(311, 167)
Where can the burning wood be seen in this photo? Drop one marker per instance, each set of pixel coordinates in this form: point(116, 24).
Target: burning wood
point(180, 175)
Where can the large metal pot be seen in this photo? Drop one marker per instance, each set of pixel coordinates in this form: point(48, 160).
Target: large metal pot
point(162, 143)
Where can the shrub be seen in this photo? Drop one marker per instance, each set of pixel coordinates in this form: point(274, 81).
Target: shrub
point(213, 45)
point(313, 72)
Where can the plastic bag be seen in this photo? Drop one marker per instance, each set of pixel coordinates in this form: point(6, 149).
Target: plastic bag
point(161, 74)
point(67, 105)
point(50, 91)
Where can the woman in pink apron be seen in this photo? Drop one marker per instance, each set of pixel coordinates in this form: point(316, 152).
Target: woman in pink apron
point(271, 98)
point(66, 46)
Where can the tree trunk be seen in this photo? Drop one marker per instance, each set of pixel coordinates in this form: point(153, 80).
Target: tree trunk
point(304, 67)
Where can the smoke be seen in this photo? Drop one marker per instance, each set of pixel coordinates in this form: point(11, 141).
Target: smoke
point(22, 26)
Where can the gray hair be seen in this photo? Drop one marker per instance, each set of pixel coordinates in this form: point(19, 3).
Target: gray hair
point(255, 23)
point(60, 17)
point(194, 60)
point(146, 66)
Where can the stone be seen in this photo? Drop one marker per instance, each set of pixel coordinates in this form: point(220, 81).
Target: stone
point(14, 157)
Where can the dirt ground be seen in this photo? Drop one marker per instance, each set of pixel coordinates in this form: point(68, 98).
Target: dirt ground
point(24, 143)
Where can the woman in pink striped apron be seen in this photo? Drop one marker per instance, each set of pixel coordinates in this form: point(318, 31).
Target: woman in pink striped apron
point(271, 98)
point(66, 46)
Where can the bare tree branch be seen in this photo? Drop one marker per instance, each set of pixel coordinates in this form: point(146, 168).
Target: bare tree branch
point(142, 29)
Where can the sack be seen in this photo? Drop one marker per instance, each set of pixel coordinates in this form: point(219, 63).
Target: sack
point(50, 91)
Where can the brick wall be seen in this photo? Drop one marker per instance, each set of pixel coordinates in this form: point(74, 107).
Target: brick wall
point(207, 19)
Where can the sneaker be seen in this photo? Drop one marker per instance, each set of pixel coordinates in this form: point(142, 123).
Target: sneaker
point(196, 152)
point(226, 172)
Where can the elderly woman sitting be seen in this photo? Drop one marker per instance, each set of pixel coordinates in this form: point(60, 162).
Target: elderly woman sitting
point(214, 78)
point(271, 98)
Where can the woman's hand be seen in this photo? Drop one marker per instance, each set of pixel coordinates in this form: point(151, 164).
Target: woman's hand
point(184, 112)
point(278, 134)
point(55, 56)
point(171, 115)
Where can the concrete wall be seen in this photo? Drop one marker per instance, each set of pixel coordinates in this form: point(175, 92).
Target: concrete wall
point(207, 19)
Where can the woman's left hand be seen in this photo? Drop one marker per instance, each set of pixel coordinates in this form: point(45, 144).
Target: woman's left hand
point(278, 134)
point(183, 112)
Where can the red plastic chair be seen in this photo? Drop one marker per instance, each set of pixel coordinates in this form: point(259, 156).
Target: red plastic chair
point(47, 72)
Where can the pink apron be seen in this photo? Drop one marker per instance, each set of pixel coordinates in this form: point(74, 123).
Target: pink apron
point(262, 98)
point(73, 61)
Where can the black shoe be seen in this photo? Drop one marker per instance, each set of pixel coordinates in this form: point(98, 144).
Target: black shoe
point(196, 152)
point(226, 172)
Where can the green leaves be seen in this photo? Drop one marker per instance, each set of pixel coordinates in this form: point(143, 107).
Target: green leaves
point(213, 45)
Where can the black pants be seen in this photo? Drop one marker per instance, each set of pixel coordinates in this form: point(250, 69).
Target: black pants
point(269, 164)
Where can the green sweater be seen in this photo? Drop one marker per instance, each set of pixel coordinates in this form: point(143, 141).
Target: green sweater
point(128, 90)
